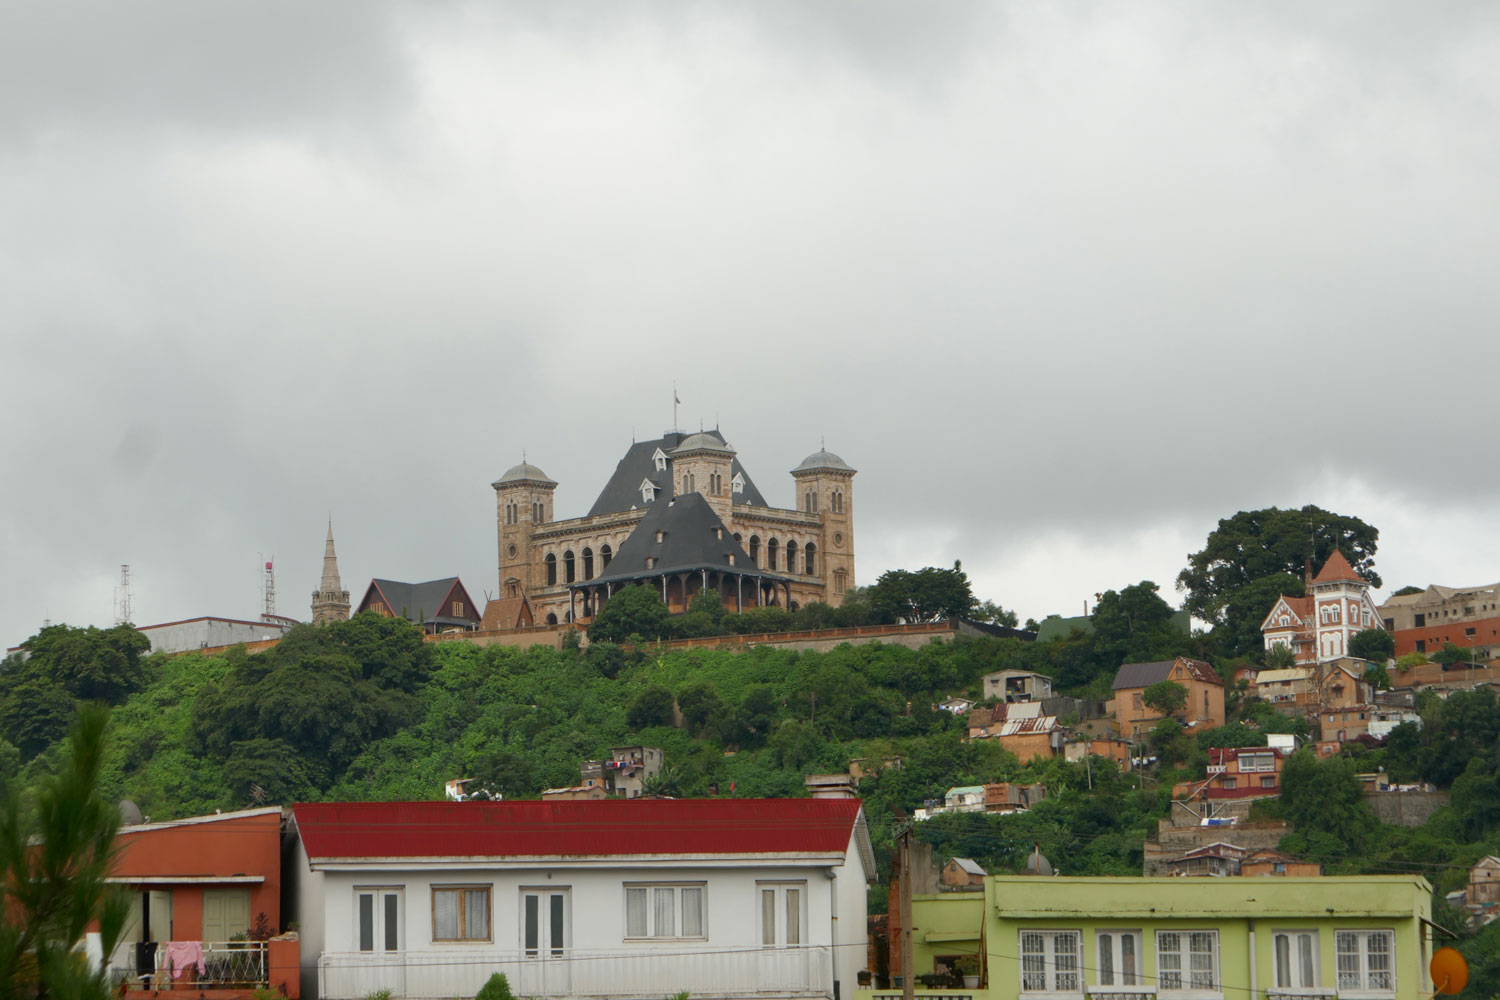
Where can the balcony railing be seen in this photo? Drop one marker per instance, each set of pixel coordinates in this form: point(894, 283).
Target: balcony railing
point(227, 965)
point(619, 973)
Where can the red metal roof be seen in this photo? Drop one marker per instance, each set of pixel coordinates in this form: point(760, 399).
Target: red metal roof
point(692, 827)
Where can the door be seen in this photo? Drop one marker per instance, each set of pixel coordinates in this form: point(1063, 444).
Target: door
point(226, 912)
point(783, 918)
point(380, 937)
point(546, 940)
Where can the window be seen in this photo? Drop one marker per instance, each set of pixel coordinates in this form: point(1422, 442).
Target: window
point(782, 913)
point(1120, 958)
point(1268, 781)
point(660, 459)
point(551, 563)
point(226, 912)
point(791, 557)
point(512, 513)
point(1365, 961)
point(377, 607)
point(811, 555)
point(605, 555)
point(687, 483)
point(664, 911)
point(1257, 762)
point(1187, 960)
point(378, 914)
point(812, 501)
point(588, 564)
point(568, 566)
point(1421, 645)
point(738, 483)
point(536, 513)
point(837, 502)
point(838, 581)
point(1230, 784)
point(771, 547)
point(461, 913)
point(648, 491)
point(1137, 702)
point(458, 609)
point(1050, 962)
point(1296, 959)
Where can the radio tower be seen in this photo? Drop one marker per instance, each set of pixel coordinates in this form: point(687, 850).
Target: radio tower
point(123, 611)
point(270, 611)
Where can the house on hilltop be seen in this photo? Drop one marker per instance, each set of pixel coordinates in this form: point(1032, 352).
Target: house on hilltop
point(1205, 694)
point(1317, 628)
point(437, 605)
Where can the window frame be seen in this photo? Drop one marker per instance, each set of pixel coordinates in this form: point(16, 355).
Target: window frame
point(380, 924)
point(677, 911)
point(1291, 934)
point(1365, 935)
point(1050, 970)
point(1115, 964)
point(1185, 972)
point(463, 889)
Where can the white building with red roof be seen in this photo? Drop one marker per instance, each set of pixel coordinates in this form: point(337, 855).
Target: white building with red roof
point(615, 898)
point(1317, 628)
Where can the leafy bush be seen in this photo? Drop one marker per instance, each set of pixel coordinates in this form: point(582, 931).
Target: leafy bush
point(496, 988)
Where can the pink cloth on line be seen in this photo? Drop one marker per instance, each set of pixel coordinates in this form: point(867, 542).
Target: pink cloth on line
point(180, 955)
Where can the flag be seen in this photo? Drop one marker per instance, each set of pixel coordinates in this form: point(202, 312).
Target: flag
point(675, 399)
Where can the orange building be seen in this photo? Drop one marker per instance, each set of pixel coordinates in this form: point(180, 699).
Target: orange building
point(1205, 694)
point(1236, 773)
point(213, 882)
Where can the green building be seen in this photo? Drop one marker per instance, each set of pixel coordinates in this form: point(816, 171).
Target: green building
point(1264, 938)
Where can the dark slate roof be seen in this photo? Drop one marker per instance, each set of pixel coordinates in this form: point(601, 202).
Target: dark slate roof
point(1139, 675)
point(623, 491)
point(413, 600)
point(690, 541)
point(1135, 675)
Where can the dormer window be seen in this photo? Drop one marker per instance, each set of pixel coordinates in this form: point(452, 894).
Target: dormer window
point(648, 491)
point(738, 482)
point(660, 458)
point(650, 562)
point(660, 536)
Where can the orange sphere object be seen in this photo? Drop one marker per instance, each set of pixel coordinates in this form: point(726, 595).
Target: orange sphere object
point(1450, 973)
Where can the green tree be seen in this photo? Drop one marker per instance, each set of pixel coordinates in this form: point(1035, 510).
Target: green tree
point(1253, 545)
point(1167, 697)
point(1135, 626)
point(652, 707)
point(632, 611)
point(54, 863)
point(1408, 591)
point(1375, 644)
point(926, 595)
point(1323, 797)
point(702, 709)
point(989, 611)
point(1279, 657)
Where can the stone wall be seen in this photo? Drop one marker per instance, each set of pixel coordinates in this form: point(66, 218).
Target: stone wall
point(1405, 808)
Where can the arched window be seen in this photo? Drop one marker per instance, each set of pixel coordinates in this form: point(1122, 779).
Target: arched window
point(551, 563)
point(551, 618)
point(812, 501)
point(605, 555)
point(737, 539)
point(515, 590)
point(512, 513)
point(771, 554)
point(687, 483)
point(837, 501)
point(791, 557)
point(839, 582)
point(755, 549)
point(568, 566)
point(536, 513)
point(812, 558)
point(588, 564)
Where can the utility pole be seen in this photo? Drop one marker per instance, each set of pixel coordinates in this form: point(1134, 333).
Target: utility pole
point(903, 845)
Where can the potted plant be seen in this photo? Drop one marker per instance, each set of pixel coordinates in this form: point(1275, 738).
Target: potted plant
point(967, 966)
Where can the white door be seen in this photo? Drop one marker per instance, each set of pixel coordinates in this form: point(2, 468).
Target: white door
point(546, 940)
point(783, 923)
point(380, 937)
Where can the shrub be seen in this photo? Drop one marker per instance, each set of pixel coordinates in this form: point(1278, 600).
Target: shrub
point(497, 988)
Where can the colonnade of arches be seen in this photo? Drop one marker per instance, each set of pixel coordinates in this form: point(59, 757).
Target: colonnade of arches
point(738, 591)
point(571, 567)
point(781, 559)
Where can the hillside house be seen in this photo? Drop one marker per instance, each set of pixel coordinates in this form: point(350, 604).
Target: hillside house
point(1010, 796)
point(1019, 727)
point(1484, 882)
point(1236, 773)
point(625, 898)
point(1017, 685)
point(1273, 863)
point(963, 874)
point(437, 605)
point(626, 772)
point(1115, 750)
point(1219, 860)
point(1205, 694)
point(1318, 628)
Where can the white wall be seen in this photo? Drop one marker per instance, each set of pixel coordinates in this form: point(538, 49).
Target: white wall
point(597, 895)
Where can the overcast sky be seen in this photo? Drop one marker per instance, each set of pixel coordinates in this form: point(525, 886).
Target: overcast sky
point(1067, 283)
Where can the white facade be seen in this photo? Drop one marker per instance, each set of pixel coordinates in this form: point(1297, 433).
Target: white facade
point(596, 927)
point(205, 633)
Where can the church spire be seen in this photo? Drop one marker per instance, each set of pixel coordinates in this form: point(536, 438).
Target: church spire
point(330, 602)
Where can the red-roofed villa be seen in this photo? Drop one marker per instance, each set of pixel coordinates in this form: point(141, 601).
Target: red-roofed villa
point(614, 898)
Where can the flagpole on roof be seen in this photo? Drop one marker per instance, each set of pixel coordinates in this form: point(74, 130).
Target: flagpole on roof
point(675, 402)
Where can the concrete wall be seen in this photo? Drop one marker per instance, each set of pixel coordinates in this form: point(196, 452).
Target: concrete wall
point(1405, 808)
point(207, 633)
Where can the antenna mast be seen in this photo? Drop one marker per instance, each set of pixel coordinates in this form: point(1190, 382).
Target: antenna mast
point(270, 611)
point(123, 610)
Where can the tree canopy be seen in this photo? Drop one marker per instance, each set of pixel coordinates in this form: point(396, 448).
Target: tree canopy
point(1254, 547)
point(925, 595)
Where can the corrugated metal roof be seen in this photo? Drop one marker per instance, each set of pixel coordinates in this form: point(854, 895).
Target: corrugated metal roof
point(532, 829)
